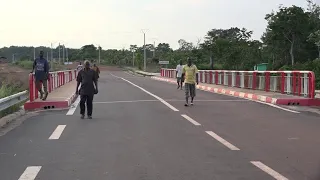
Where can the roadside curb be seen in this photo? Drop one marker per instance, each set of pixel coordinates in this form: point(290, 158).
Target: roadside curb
point(254, 97)
point(242, 95)
point(10, 117)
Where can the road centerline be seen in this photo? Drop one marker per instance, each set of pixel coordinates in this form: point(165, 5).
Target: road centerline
point(57, 132)
point(222, 141)
point(153, 95)
point(268, 170)
point(190, 120)
point(30, 173)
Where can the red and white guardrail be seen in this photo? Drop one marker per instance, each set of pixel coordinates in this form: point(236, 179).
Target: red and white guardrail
point(56, 79)
point(300, 83)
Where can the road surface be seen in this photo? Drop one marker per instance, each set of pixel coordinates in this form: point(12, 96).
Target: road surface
point(141, 131)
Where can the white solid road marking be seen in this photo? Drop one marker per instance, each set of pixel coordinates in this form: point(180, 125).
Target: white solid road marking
point(155, 96)
point(191, 120)
point(73, 107)
point(57, 132)
point(155, 100)
point(272, 105)
point(275, 106)
point(268, 170)
point(30, 173)
point(223, 141)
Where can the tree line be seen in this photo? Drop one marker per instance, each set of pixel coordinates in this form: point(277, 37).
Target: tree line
point(291, 41)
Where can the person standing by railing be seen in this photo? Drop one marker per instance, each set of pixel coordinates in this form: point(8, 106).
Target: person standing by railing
point(190, 72)
point(41, 69)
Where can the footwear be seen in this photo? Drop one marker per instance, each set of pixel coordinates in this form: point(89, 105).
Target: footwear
point(191, 103)
point(82, 116)
point(89, 117)
point(178, 87)
point(41, 95)
point(186, 104)
point(45, 96)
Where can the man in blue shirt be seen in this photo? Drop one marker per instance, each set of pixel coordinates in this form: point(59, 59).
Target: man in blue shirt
point(41, 68)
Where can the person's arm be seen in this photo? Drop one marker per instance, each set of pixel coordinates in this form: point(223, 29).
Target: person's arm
point(183, 71)
point(95, 81)
point(197, 74)
point(177, 70)
point(34, 65)
point(79, 80)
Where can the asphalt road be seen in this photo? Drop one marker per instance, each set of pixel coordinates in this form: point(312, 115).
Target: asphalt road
point(141, 131)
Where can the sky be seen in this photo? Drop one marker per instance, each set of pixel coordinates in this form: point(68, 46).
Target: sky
point(115, 24)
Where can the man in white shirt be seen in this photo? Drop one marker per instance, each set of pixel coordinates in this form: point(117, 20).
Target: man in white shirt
point(179, 75)
point(79, 67)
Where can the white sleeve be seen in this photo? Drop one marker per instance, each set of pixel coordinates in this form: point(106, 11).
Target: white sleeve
point(177, 67)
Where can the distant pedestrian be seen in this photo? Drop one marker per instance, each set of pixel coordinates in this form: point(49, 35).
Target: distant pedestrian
point(41, 72)
point(79, 67)
point(89, 86)
point(190, 72)
point(97, 70)
point(179, 75)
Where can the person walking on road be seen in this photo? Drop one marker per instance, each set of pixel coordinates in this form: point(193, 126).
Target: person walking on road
point(79, 67)
point(190, 72)
point(97, 70)
point(89, 86)
point(179, 75)
point(41, 72)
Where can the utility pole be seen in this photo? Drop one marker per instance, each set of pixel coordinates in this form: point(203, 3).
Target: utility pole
point(145, 52)
point(67, 56)
point(99, 53)
point(34, 53)
point(154, 49)
point(133, 57)
point(51, 57)
point(51, 53)
point(47, 56)
point(12, 58)
point(63, 58)
point(59, 55)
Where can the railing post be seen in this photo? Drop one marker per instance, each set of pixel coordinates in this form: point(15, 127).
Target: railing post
point(31, 86)
point(49, 83)
point(312, 81)
point(267, 81)
point(282, 82)
point(254, 80)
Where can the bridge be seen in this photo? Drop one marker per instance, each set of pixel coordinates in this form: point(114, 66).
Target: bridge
point(240, 127)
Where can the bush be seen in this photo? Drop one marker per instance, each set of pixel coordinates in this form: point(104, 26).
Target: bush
point(25, 64)
point(6, 90)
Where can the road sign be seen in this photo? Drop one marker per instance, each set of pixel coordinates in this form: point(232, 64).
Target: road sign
point(163, 62)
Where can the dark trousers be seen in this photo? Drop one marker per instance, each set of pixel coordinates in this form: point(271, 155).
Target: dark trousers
point(86, 99)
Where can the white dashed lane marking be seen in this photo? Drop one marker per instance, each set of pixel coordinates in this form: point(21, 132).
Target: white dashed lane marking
point(190, 120)
point(30, 173)
point(268, 170)
point(57, 132)
point(222, 141)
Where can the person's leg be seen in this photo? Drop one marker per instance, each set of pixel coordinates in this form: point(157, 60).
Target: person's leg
point(178, 81)
point(186, 88)
point(192, 92)
point(38, 86)
point(45, 89)
point(89, 106)
point(83, 99)
point(181, 83)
